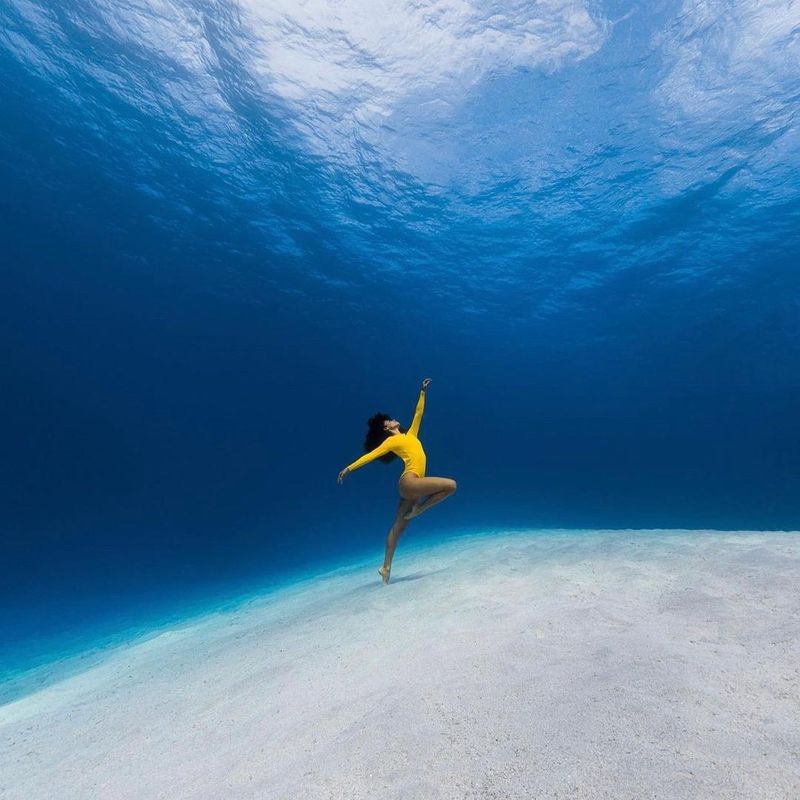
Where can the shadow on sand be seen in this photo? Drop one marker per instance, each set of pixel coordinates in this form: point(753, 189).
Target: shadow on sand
point(415, 576)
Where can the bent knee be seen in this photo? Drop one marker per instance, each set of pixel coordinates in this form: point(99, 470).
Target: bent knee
point(453, 485)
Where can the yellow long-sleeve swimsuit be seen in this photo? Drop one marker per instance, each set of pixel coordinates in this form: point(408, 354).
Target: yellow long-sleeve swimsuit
point(406, 445)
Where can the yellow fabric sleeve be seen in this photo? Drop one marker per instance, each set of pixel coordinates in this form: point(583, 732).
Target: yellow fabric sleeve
point(381, 449)
point(414, 429)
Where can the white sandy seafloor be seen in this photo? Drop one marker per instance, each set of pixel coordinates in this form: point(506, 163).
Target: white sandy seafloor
point(588, 664)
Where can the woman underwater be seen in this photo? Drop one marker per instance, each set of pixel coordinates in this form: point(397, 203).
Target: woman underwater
point(386, 440)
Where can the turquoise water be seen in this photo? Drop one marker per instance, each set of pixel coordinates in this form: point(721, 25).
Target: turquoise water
point(233, 231)
point(76, 649)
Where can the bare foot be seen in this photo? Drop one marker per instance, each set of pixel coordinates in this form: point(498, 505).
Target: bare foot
point(415, 511)
point(384, 573)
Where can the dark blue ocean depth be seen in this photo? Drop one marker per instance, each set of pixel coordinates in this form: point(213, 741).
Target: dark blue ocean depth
point(233, 231)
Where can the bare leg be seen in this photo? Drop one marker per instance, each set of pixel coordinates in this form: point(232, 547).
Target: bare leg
point(434, 490)
point(395, 532)
point(432, 500)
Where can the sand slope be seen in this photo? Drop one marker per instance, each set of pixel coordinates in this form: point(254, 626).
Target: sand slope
point(590, 664)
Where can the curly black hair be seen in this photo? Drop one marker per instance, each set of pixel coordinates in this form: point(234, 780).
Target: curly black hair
point(376, 435)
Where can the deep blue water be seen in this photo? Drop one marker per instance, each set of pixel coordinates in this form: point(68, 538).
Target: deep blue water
point(233, 231)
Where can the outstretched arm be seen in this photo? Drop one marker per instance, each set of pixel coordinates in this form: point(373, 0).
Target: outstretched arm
point(383, 448)
point(415, 423)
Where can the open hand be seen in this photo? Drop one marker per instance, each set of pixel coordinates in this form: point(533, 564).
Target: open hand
point(425, 384)
point(344, 472)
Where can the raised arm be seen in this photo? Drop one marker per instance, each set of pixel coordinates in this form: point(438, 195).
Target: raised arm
point(415, 423)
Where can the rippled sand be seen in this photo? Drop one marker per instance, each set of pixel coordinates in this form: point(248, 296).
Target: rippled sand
point(588, 664)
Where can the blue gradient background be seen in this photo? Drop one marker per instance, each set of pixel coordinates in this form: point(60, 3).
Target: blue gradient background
point(216, 266)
